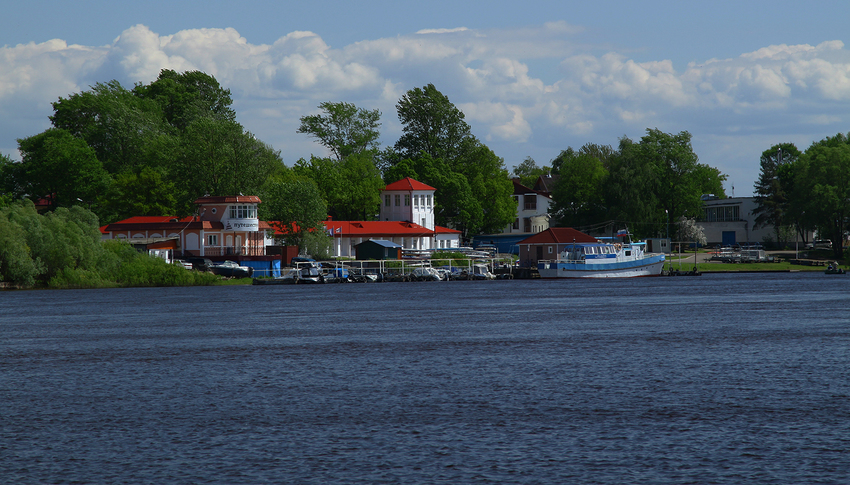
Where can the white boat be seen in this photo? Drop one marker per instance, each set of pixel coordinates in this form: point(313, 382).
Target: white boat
point(602, 260)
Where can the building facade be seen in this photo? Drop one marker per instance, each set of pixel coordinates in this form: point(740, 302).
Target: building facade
point(408, 200)
point(224, 226)
point(532, 210)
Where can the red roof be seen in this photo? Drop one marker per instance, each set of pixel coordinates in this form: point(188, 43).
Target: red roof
point(408, 183)
point(229, 199)
point(154, 220)
point(445, 230)
point(376, 228)
point(162, 223)
point(559, 235)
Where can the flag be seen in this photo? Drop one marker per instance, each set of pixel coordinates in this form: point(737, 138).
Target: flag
point(622, 233)
point(338, 230)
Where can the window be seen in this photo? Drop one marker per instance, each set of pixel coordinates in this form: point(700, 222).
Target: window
point(429, 200)
point(397, 200)
point(423, 222)
point(550, 249)
point(516, 223)
point(243, 212)
point(526, 224)
point(530, 202)
point(387, 200)
point(212, 240)
point(407, 200)
point(416, 201)
point(722, 214)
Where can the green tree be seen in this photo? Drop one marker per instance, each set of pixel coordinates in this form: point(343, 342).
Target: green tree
point(603, 153)
point(188, 96)
point(61, 169)
point(824, 178)
point(125, 131)
point(294, 207)
point(579, 195)
point(351, 187)
point(431, 124)
point(528, 172)
point(473, 187)
point(218, 158)
point(148, 193)
point(344, 129)
point(630, 197)
point(10, 179)
point(16, 262)
point(772, 191)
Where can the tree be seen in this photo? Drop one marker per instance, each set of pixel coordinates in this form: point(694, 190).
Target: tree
point(218, 158)
point(295, 207)
point(430, 124)
point(528, 172)
point(125, 131)
point(824, 178)
point(630, 197)
point(344, 129)
point(772, 190)
point(473, 187)
point(148, 193)
point(61, 169)
point(10, 179)
point(689, 230)
point(16, 263)
point(579, 195)
point(185, 97)
point(351, 187)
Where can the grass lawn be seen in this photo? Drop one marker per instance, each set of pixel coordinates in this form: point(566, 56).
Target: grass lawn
point(687, 264)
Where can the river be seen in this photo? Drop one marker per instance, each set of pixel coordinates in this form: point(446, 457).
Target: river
point(714, 379)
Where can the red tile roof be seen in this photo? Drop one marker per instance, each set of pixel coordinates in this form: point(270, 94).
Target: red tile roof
point(229, 199)
point(445, 230)
point(408, 183)
point(377, 228)
point(558, 235)
point(161, 223)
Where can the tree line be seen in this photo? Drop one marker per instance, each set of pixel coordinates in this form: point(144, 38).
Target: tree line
point(644, 185)
point(799, 192)
point(155, 148)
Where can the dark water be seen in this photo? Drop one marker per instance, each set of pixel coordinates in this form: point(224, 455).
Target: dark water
point(717, 379)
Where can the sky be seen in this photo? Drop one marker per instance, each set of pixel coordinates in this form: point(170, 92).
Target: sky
point(533, 78)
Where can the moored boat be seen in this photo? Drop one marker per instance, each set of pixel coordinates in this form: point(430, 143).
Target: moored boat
point(603, 259)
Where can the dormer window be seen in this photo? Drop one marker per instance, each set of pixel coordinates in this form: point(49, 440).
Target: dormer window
point(243, 212)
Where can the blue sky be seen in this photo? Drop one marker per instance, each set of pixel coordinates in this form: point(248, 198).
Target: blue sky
point(532, 77)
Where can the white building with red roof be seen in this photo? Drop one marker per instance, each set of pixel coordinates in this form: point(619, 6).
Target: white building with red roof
point(408, 200)
point(229, 227)
point(224, 226)
point(406, 218)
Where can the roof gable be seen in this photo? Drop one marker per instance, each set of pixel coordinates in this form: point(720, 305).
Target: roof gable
point(559, 235)
point(408, 183)
point(382, 243)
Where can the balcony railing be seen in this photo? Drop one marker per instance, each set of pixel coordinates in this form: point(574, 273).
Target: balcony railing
point(233, 251)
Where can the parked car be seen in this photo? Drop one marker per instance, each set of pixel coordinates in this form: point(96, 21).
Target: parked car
point(821, 244)
point(200, 264)
point(232, 269)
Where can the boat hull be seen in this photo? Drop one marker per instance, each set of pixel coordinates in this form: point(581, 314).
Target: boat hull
point(648, 266)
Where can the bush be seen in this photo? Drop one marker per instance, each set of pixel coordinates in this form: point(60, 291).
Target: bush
point(62, 249)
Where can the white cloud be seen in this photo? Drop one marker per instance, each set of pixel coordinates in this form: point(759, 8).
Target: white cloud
point(589, 95)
